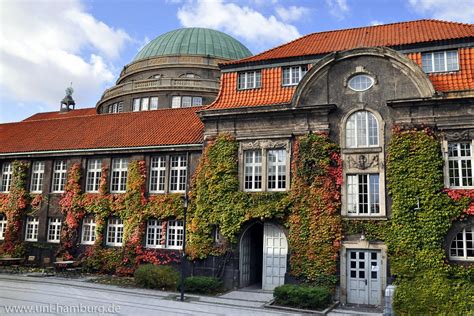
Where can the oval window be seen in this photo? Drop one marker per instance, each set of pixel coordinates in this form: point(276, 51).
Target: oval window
point(361, 82)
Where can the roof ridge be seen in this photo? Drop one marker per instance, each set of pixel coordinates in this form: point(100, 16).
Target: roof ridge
point(339, 30)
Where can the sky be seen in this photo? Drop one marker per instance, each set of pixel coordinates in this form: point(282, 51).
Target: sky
point(48, 45)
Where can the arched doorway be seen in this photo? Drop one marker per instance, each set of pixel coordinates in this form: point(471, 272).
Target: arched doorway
point(263, 256)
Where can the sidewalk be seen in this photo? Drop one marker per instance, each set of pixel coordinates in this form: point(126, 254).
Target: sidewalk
point(239, 299)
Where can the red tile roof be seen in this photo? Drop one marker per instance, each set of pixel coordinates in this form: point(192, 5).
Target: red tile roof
point(98, 131)
point(51, 115)
point(456, 80)
point(389, 35)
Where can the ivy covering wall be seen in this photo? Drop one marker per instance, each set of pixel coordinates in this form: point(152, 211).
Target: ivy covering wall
point(422, 214)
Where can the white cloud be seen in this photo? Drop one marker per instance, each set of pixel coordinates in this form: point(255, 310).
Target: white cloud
point(46, 45)
point(240, 21)
point(292, 13)
point(376, 22)
point(459, 10)
point(338, 8)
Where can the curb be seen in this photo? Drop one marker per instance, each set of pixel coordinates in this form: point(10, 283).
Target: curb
point(299, 310)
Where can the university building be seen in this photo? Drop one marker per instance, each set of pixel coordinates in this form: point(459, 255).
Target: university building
point(188, 87)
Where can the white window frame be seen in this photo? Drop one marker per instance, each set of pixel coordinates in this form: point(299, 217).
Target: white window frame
point(153, 104)
point(31, 229)
point(3, 226)
point(291, 76)
point(352, 134)
point(37, 176)
point(249, 80)
point(145, 104)
point(464, 245)
point(54, 230)
point(157, 174)
point(253, 169)
point(136, 103)
point(353, 194)
point(118, 179)
point(429, 65)
point(178, 173)
point(154, 233)
point(7, 174)
point(93, 175)
point(356, 85)
point(174, 234)
point(59, 176)
point(197, 101)
point(280, 169)
point(459, 161)
point(88, 235)
point(114, 232)
point(176, 102)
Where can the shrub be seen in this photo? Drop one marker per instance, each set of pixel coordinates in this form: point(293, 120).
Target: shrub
point(302, 296)
point(156, 277)
point(203, 285)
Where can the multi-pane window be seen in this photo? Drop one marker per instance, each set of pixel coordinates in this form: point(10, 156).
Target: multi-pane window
point(185, 101)
point(37, 177)
point(362, 130)
point(175, 233)
point(253, 170)
point(114, 232)
point(59, 176)
point(361, 82)
point(136, 105)
point(119, 175)
point(88, 230)
point(153, 103)
point(94, 173)
point(154, 234)
point(462, 245)
point(249, 80)
point(157, 174)
point(145, 104)
point(3, 226)
point(460, 164)
point(293, 75)
point(363, 194)
point(178, 168)
point(440, 61)
point(276, 169)
point(54, 229)
point(31, 232)
point(115, 108)
point(7, 172)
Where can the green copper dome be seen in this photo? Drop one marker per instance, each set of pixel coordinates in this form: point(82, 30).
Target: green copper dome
point(194, 41)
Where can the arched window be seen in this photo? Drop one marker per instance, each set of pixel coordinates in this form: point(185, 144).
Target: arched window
point(362, 130)
point(462, 245)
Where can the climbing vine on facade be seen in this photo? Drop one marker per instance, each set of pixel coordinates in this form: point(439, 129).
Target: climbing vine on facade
point(15, 206)
point(422, 214)
point(218, 202)
point(315, 228)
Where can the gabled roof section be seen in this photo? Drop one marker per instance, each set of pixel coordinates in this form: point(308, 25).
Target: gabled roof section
point(166, 127)
point(389, 35)
point(54, 115)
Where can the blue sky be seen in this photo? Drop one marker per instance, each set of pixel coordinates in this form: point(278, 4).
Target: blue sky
point(45, 45)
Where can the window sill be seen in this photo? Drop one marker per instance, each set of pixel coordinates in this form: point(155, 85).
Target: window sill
point(442, 72)
point(245, 89)
point(374, 149)
point(365, 217)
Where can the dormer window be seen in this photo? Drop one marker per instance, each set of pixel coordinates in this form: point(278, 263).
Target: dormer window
point(249, 80)
point(292, 75)
point(115, 108)
point(440, 61)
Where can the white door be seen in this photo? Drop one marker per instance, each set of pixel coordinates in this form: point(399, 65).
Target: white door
point(275, 251)
point(363, 275)
point(245, 260)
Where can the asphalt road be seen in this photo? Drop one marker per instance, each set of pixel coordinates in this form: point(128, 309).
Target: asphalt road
point(35, 296)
